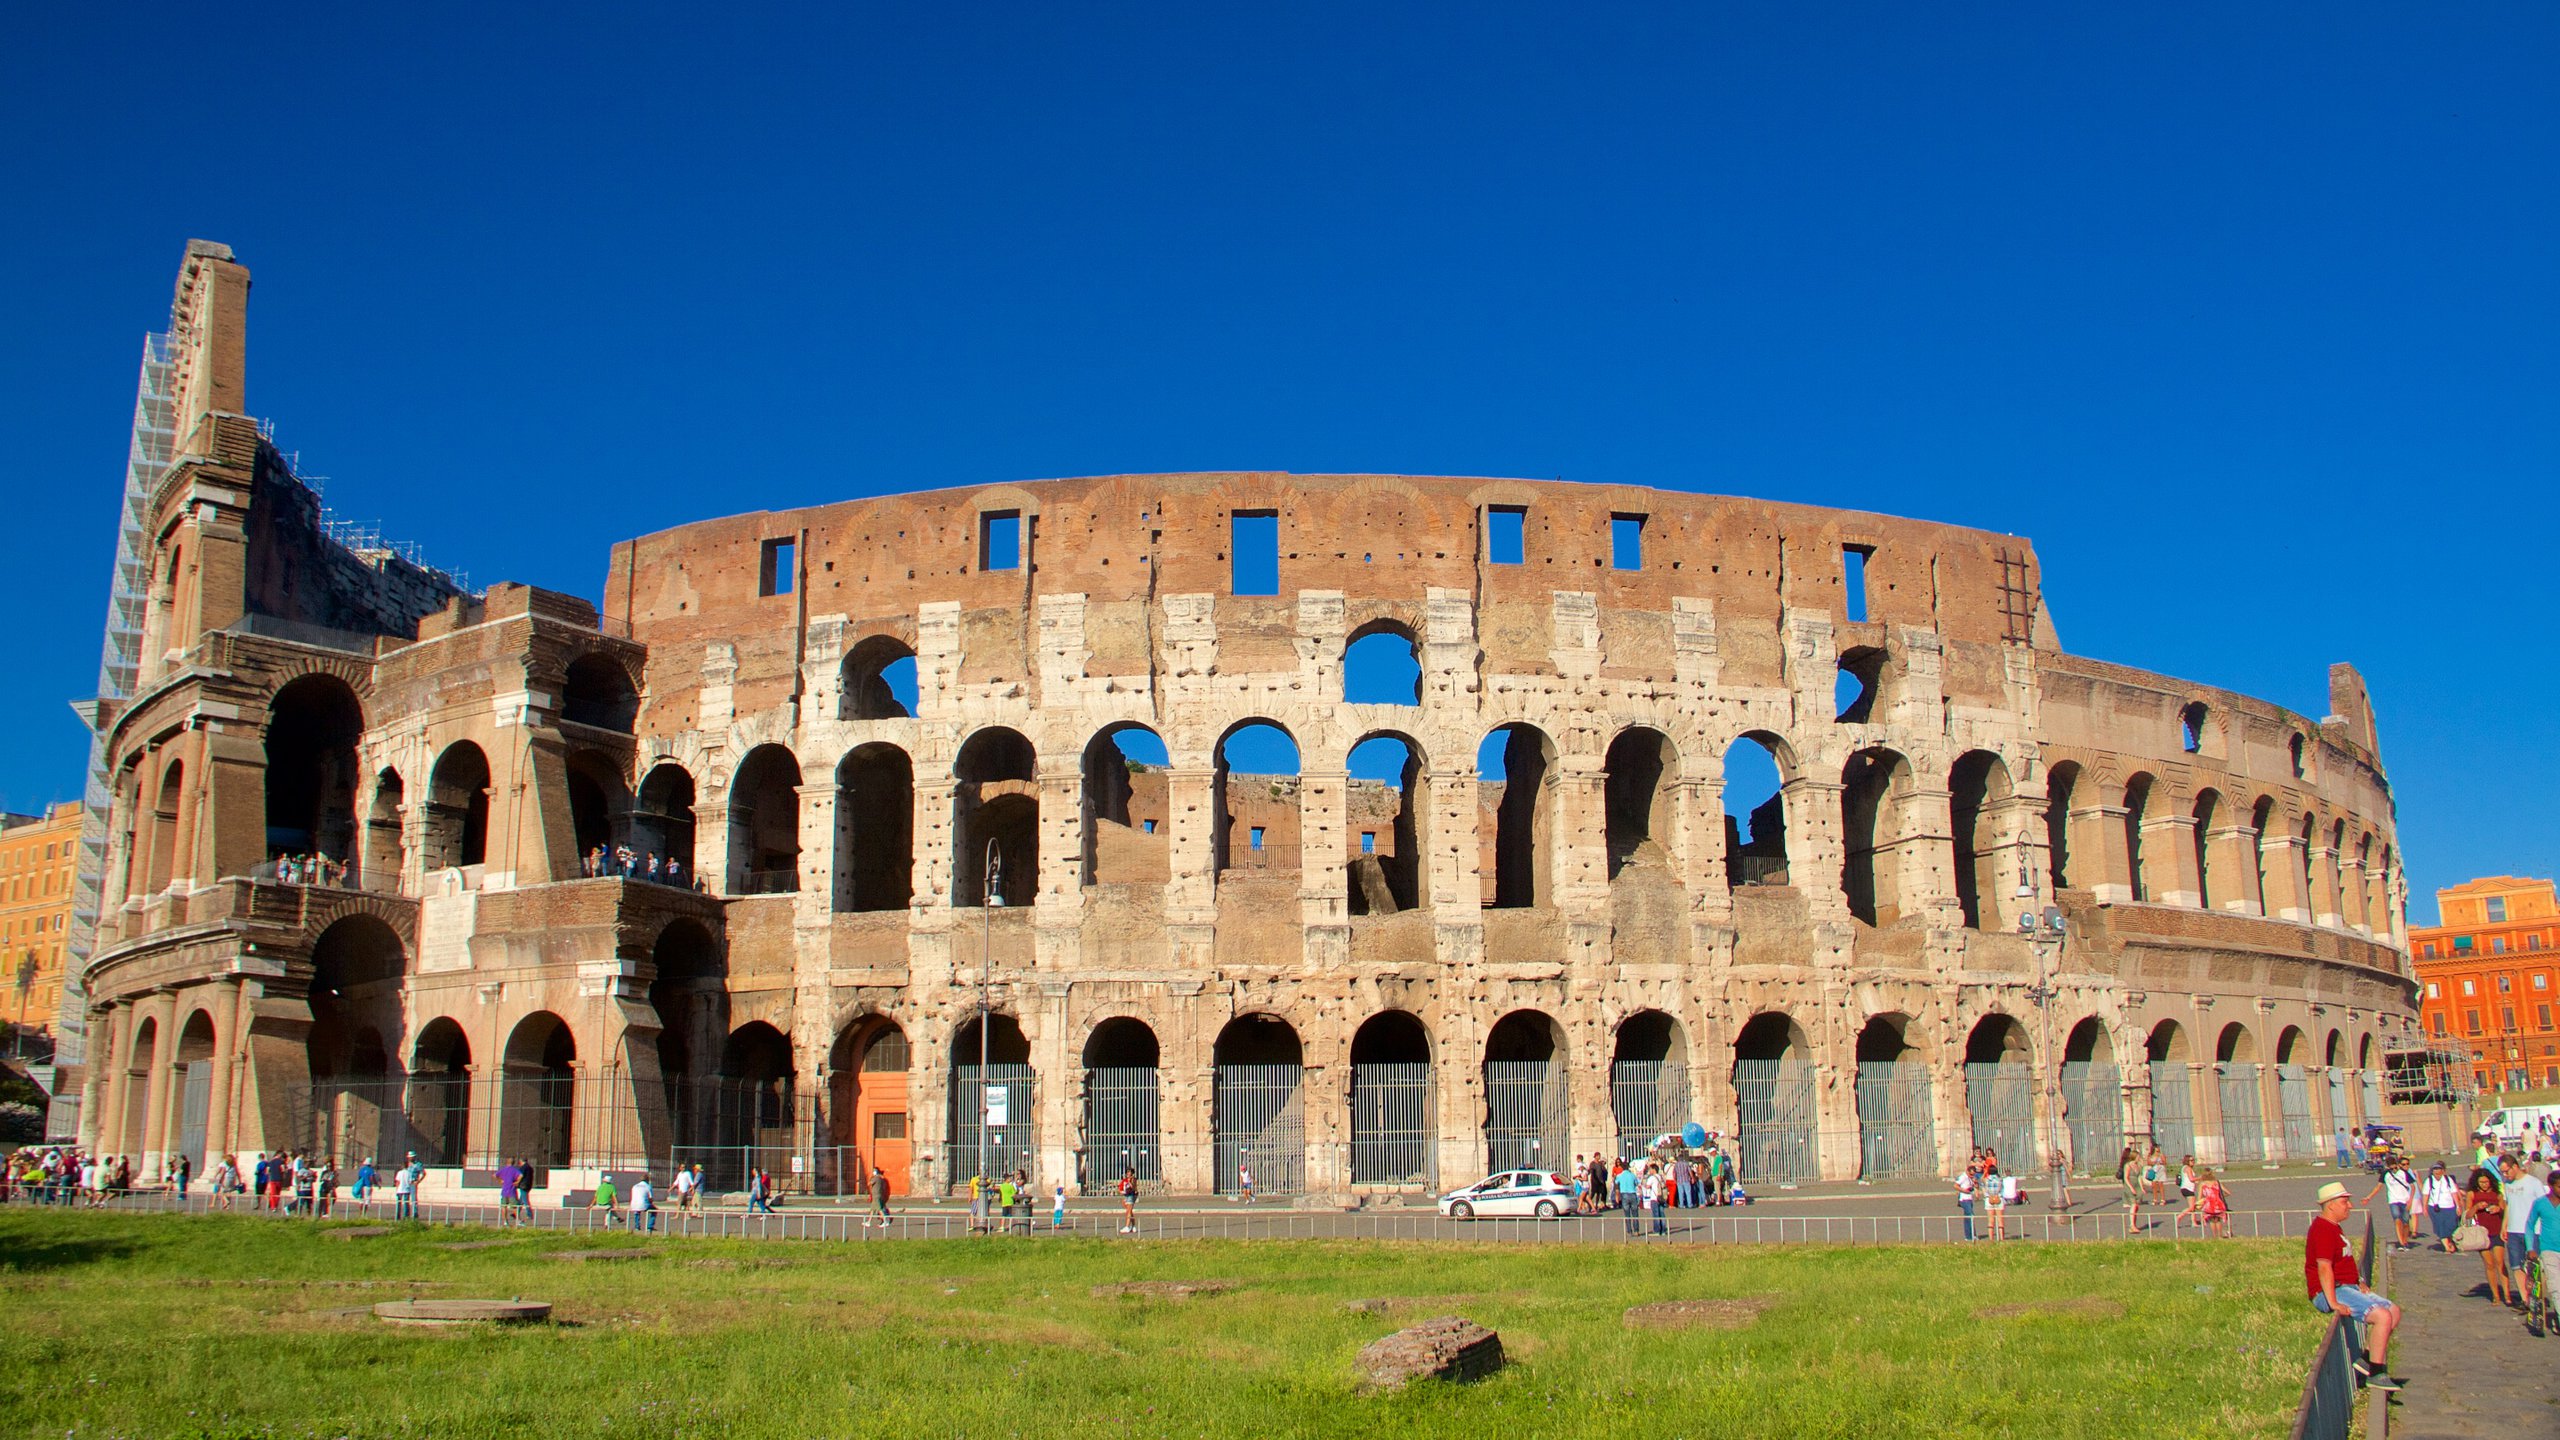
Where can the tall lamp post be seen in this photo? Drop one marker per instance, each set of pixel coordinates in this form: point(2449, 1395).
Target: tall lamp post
point(989, 903)
point(2045, 934)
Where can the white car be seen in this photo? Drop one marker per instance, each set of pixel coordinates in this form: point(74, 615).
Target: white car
point(1512, 1192)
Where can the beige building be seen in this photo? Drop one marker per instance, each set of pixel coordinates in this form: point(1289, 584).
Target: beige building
point(1229, 933)
point(39, 861)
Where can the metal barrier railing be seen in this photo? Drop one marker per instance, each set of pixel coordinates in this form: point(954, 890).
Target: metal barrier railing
point(2329, 1391)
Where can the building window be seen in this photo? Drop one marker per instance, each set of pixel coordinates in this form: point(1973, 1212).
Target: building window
point(776, 574)
point(1257, 837)
point(2434, 991)
point(1626, 542)
point(2506, 984)
point(2542, 1017)
point(2506, 1018)
point(2533, 941)
point(2470, 1022)
point(2438, 1020)
point(1150, 824)
point(2428, 949)
point(1853, 579)
point(2497, 908)
point(1253, 540)
point(1000, 540)
point(1368, 842)
point(2498, 946)
point(2541, 981)
point(2461, 943)
point(1506, 534)
point(2469, 988)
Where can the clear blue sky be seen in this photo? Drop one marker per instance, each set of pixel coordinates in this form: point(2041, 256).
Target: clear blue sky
point(2250, 318)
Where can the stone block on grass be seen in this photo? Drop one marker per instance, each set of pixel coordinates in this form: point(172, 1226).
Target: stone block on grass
point(1447, 1347)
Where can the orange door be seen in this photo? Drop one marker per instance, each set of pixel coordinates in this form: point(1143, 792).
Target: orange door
point(880, 1127)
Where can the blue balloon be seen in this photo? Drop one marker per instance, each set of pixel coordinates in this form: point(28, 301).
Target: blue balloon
point(1694, 1133)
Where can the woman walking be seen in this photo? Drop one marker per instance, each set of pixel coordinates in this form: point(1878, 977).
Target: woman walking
point(2484, 1204)
point(1995, 1201)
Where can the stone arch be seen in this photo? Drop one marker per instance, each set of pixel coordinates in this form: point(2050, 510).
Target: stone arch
point(1393, 1109)
point(1776, 1131)
point(688, 989)
point(457, 829)
point(994, 1117)
point(2137, 806)
point(440, 1093)
point(358, 968)
point(1860, 682)
point(1388, 873)
point(764, 823)
point(662, 819)
point(1520, 807)
point(868, 1103)
point(995, 819)
point(1527, 1120)
point(142, 1061)
point(538, 1095)
point(1648, 1079)
point(168, 836)
point(2333, 1051)
point(191, 1086)
point(1128, 822)
point(596, 690)
point(2092, 1096)
point(753, 1125)
point(378, 863)
point(2293, 1047)
point(1897, 1115)
point(2061, 790)
point(1978, 784)
point(2262, 822)
point(313, 724)
point(1269, 818)
point(1875, 801)
point(874, 867)
point(2236, 1044)
point(1123, 1112)
point(1755, 826)
point(1641, 797)
point(2192, 718)
point(1382, 665)
point(2214, 881)
point(1258, 1109)
point(875, 671)
point(2243, 1111)
point(599, 808)
point(2000, 1089)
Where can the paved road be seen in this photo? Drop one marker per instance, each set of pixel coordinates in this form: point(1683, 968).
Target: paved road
point(2472, 1368)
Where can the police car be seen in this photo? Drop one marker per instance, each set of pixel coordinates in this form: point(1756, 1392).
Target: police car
point(1512, 1192)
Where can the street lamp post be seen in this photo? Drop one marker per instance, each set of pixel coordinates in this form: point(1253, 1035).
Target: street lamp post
point(2045, 935)
point(989, 903)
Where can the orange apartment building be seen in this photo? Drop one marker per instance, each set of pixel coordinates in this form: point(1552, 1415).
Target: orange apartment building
point(2491, 967)
point(38, 858)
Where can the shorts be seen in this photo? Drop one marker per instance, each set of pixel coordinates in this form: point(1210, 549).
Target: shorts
point(2355, 1299)
point(2518, 1253)
point(2444, 1218)
point(2399, 1210)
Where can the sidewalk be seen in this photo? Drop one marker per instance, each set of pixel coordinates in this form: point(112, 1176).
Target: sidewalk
point(2471, 1366)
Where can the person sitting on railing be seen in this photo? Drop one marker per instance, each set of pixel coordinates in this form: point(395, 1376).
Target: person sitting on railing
point(2337, 1287)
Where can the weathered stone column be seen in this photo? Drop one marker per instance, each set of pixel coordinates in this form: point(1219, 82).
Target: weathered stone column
point(2286, 863)
point(711, 846)
point(2100, 858)
point(155, 1104)
point(226, 1046)
point(2169, 860)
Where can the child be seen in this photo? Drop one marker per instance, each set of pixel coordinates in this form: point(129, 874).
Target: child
point(2217, 1205)
point(1058, 1206)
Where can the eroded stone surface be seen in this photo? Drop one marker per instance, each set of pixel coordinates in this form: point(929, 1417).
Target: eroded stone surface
point(1165, 1289)
point(463, 1312)
point(1449, 1347)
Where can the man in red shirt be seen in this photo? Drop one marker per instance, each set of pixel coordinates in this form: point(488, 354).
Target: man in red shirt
point(2329, 1270)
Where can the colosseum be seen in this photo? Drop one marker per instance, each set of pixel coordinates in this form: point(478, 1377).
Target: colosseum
point(1366, 830)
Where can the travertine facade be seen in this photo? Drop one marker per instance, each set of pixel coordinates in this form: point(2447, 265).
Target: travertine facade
point(1196, 968)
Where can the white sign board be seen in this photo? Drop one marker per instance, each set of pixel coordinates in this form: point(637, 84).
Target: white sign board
point(998, 1108)
point(799, 1164)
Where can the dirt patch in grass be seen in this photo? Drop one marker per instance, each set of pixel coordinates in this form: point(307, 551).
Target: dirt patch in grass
point(2083, 1307)
point(1733, 1314)
point(1164, 1289)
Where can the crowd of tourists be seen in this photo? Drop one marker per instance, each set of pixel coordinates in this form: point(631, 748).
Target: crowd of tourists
point(624, 863)
point(1647, 1188)
point(61, 1175)
point(313, 869)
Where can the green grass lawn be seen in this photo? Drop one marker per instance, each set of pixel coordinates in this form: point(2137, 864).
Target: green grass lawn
point(117, 1325)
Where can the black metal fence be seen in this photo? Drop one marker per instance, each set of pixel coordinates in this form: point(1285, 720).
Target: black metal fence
point(1897, 1124)
point(2244, 1122)
point(1647, 1098)
point(2328, 1407)
point(1392, 1122)
point(1776, 1133)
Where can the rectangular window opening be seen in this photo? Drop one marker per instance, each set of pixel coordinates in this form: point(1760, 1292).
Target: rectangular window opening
point(1257, 837)
point(1150, 824)
point(778, 568)
point(1626, 542)
point(1368, 842)
point(1853, 579)
point(1253, 552)
point(2497, 907)
point(1000, 540)
point(1506, 534)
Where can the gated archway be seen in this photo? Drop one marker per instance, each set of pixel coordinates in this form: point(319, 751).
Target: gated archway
point(1897, 1122)
point(538, 1100)
point(2173, 1096)
point(994, 1126)
point(2092, 1098)
point(2293, 1096)
point(1648, 1080)
point(2000, 1091)
point(867, 1104)
point(1123, 1118)
point(1259, 1111)
point(2244, 1124)
point(1527, 1122)
point(1774, 1103)
point(1391, 1095)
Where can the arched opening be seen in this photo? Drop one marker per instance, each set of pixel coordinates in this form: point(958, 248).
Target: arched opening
point(1128, 829)
point(2173, 1102)
point(2334, 1056)
point(2137, 804)
point(313, 725)
point(689, 991)
point(1259, 1109)
point(764, 823)
point(1648, 1080)
point(2262, 820)
point(875, 828)
point(2061, 788)
point(599, 811)
point(2302, 873)
point(1122, 1125)
point(2191, 726)
point(2293, 747)
point(1389, 795)
point(2092, 1097)
point(879, 680)
point(191, 1076)
point(663, 820)
point(995, 1110)
point(165, 830)
point(1391, 1101)
point(1755, 815)
point(2244, 1128)
point(2210, 886)
point(538, 1102)
point(1775, 1134)
point(440, 1094)
point(1515, 808)
point(752, 1129)
point(1875, 788)
point(1897, 1120)
point(1527, 1119)
point(995, 820)
point(1642, 799)
point(1257, 794)
point(457, 830)
point(2293, 1096)
point(1854, 690)
point(357, 1103)
point(142, 1058)
point(2000, 1091)
point(380, 869)
point(868, 1105)
point(1382, 666)
point(597, 691)
point(1977, 784)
